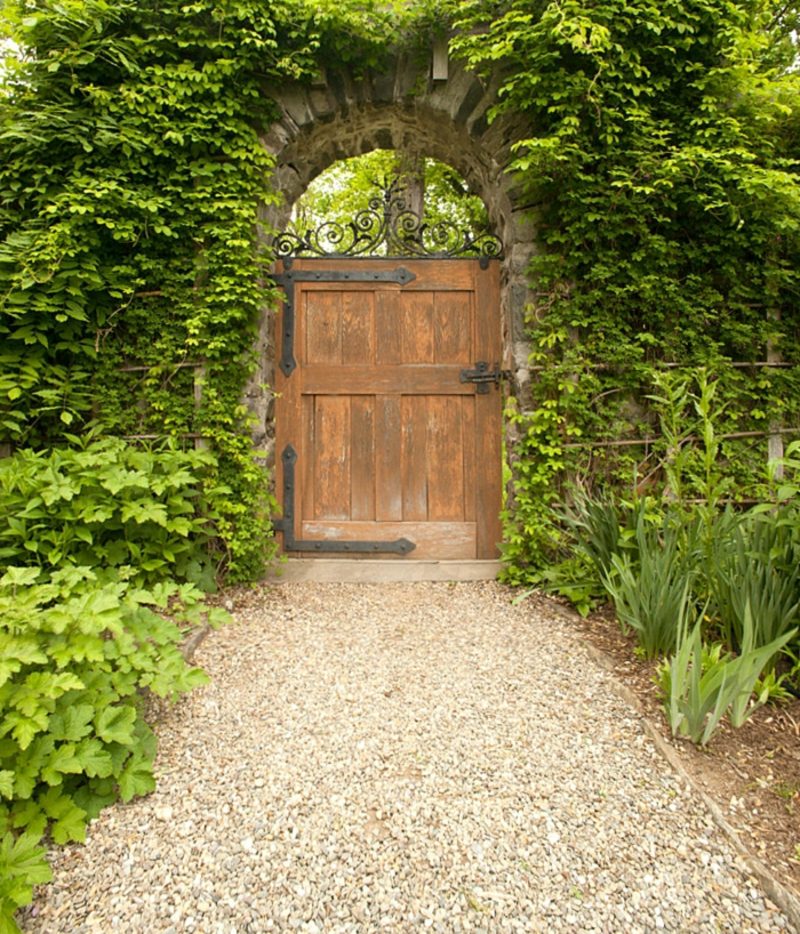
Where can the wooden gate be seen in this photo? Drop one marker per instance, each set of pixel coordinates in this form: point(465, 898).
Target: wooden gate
point(388, 421)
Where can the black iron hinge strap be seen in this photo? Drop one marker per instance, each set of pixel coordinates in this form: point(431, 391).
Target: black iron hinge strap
point(287, 279)
point(401, 546)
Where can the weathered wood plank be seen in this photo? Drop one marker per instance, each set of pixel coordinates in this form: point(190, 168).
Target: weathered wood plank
point(470, 455)
point(452, 328)
point(322, 324)
point(414, 415)
point(358, 328)
point(375, 571)
point(430, 273)
point(445, 459)
point(388, 480)
point(488, 414)
point(416, 327)
point(304, 444)
point(433, 539)
point(390, 379)
point(332, 457)
point(362, 475)
point(388, 328)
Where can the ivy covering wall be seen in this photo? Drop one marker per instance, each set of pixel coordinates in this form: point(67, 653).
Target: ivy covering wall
point(662, 175)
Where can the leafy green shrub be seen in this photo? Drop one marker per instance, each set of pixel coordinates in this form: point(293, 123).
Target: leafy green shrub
point(76, 651)
point(22, 865)
point(573, 578)
point(701, 684)
point(108, 503)
point(652, 591)
point(785, 474)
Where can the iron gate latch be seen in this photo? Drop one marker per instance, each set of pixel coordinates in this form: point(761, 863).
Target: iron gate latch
point(482, 376)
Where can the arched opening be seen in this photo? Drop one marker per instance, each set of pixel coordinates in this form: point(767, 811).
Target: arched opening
point(406, 111)
point(401, 110)
point(389, 408)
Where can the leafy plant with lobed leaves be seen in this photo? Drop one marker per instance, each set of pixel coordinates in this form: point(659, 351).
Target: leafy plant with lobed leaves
point(78, 646)
point(94, 541)
point(108, 503)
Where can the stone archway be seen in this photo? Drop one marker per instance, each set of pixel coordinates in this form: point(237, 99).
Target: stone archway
point(403, 107)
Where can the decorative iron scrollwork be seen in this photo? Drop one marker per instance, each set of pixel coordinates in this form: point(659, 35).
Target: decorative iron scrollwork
point(388, 227)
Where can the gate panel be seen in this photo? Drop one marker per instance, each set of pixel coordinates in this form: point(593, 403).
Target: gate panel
point(388, 442)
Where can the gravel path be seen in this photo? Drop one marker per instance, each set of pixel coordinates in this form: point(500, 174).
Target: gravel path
point(403, 757)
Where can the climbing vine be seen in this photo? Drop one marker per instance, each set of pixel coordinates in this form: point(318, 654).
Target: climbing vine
point(661, 167)
point(132, 277)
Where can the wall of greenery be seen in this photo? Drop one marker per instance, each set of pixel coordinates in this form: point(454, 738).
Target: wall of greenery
point(663, 173)
point(663, 176)
point(130, 181)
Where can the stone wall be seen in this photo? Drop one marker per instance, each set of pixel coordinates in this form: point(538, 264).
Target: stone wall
point(403, 108)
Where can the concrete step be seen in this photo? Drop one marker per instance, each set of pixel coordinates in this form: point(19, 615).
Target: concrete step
point(371, 571)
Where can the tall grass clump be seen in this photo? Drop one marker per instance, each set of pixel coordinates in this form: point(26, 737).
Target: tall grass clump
point(652, 590)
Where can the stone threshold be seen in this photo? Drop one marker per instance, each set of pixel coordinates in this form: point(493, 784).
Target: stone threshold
point(372, 571)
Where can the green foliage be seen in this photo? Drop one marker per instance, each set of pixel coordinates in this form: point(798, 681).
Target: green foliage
point(94, 540)
point(754, 572)
point(78, 646)
point(661, 166)
point(22, 865)
point(701, 684)
point(595, 530)
point(528, 535)
point(130, 185)
point(785, 474)
point(597, 527)
point(742, 568)
point(107, 503)
point(653, 590)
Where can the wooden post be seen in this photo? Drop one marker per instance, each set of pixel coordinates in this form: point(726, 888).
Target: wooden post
point(775, 438)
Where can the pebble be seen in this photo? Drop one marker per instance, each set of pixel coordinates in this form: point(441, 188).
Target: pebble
point(403, 757)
